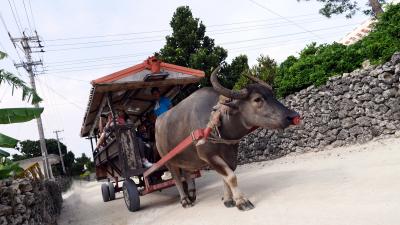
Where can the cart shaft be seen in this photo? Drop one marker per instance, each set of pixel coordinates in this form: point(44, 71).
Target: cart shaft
point(194, 136)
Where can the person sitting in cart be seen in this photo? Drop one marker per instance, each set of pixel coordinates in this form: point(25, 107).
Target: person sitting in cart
point(163, 104)
point(145, 148)
point(121, 120)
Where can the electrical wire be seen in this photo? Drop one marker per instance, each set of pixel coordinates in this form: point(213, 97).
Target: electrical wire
point(60, 68)
point(63, 97)
point(212, 32)
point(69, 78)
point(283, 35)
point(33, 17)
point(107, 45)
point(27, 17)
point(89, 60)
point(15, 18)
point(16, 12)
point(91, 68)
point(277, 14)
point(156, 40)
point(161, 30)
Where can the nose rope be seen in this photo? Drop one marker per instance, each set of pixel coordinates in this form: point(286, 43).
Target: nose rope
point(215, 122)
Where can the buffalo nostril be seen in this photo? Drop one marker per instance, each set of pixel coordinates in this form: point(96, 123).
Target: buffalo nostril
point(295, 120)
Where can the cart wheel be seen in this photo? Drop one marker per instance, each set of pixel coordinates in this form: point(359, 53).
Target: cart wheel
point(131, 195)
point(111, 190)
point(105, 192)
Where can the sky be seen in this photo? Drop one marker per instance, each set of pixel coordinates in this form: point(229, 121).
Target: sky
point(84, 40)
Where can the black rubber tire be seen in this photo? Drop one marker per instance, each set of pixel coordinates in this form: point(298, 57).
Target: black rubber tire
point(105, 192)
point(111, 191)
point(131, 195)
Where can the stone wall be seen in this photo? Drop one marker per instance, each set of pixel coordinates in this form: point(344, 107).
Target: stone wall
point(24, 201)
point(352, 108)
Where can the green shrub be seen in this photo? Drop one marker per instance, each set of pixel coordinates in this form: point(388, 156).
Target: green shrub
point(316, 63)
point(9, 169)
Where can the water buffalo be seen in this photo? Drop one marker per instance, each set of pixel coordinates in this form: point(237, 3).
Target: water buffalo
point(253, 106)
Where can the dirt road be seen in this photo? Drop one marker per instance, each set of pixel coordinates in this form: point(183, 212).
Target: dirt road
point(357, 185)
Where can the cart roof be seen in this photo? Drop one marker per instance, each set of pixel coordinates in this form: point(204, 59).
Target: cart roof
point(130, 88)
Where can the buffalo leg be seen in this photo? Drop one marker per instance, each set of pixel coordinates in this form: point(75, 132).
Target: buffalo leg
point(228, 197)
point(230, 178)
point(185, 201)
point(191, 186)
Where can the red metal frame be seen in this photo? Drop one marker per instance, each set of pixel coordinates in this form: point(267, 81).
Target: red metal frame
point(194, 136)
point(166, 184)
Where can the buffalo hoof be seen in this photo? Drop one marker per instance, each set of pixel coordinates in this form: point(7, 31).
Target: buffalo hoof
point(244, 205)
point(192, 195)
point(229, 203)
point(186, 203)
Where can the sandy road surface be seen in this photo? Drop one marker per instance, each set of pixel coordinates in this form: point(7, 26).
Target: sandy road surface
point(357, 185)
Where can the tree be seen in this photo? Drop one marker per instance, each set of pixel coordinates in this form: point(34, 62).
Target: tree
point(230, 73)
point(265, 69)
point(82, 164)
point(189, 46)
point(317, 63)
point(334, 7)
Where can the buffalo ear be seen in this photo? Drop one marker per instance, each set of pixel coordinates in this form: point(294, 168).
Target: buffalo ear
point(232, 107)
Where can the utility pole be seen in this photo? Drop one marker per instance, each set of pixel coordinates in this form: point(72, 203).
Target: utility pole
point(25, 44)
point(59, 150)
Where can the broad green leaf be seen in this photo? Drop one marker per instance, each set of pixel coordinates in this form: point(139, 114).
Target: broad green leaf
point(28, 93)
point(7, 142)
point(19, 115)
point(9, 169)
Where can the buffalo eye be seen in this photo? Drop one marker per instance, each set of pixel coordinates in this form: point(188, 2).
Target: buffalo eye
point(258, 100)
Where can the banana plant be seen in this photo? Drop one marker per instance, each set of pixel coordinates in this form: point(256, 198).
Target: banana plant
point(15, 115)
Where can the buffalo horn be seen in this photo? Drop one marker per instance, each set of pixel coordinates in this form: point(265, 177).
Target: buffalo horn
point(257, 80)
point(241, 94)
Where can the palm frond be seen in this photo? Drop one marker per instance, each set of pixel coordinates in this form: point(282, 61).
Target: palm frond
point(28, 93)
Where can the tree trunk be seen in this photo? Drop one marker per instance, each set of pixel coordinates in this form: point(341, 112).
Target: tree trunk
point(376, 7)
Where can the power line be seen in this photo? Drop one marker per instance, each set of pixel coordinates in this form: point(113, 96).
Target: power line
point(89, 60)
point(6, 29)
point(69, 78)
point(283, 35)
point(156, 40)
point(27, 17)
point(108, 45)
point(162, 30)
point(117, 63)
point(63, 97)
point(268, 44)
point(277, 14)
point(4, 23)
point(33, 17)
point(76, 68)
point(213, 32)
point(16, 16)
point(92, 67)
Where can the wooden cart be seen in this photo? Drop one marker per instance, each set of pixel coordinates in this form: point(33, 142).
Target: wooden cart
point(119, 160)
